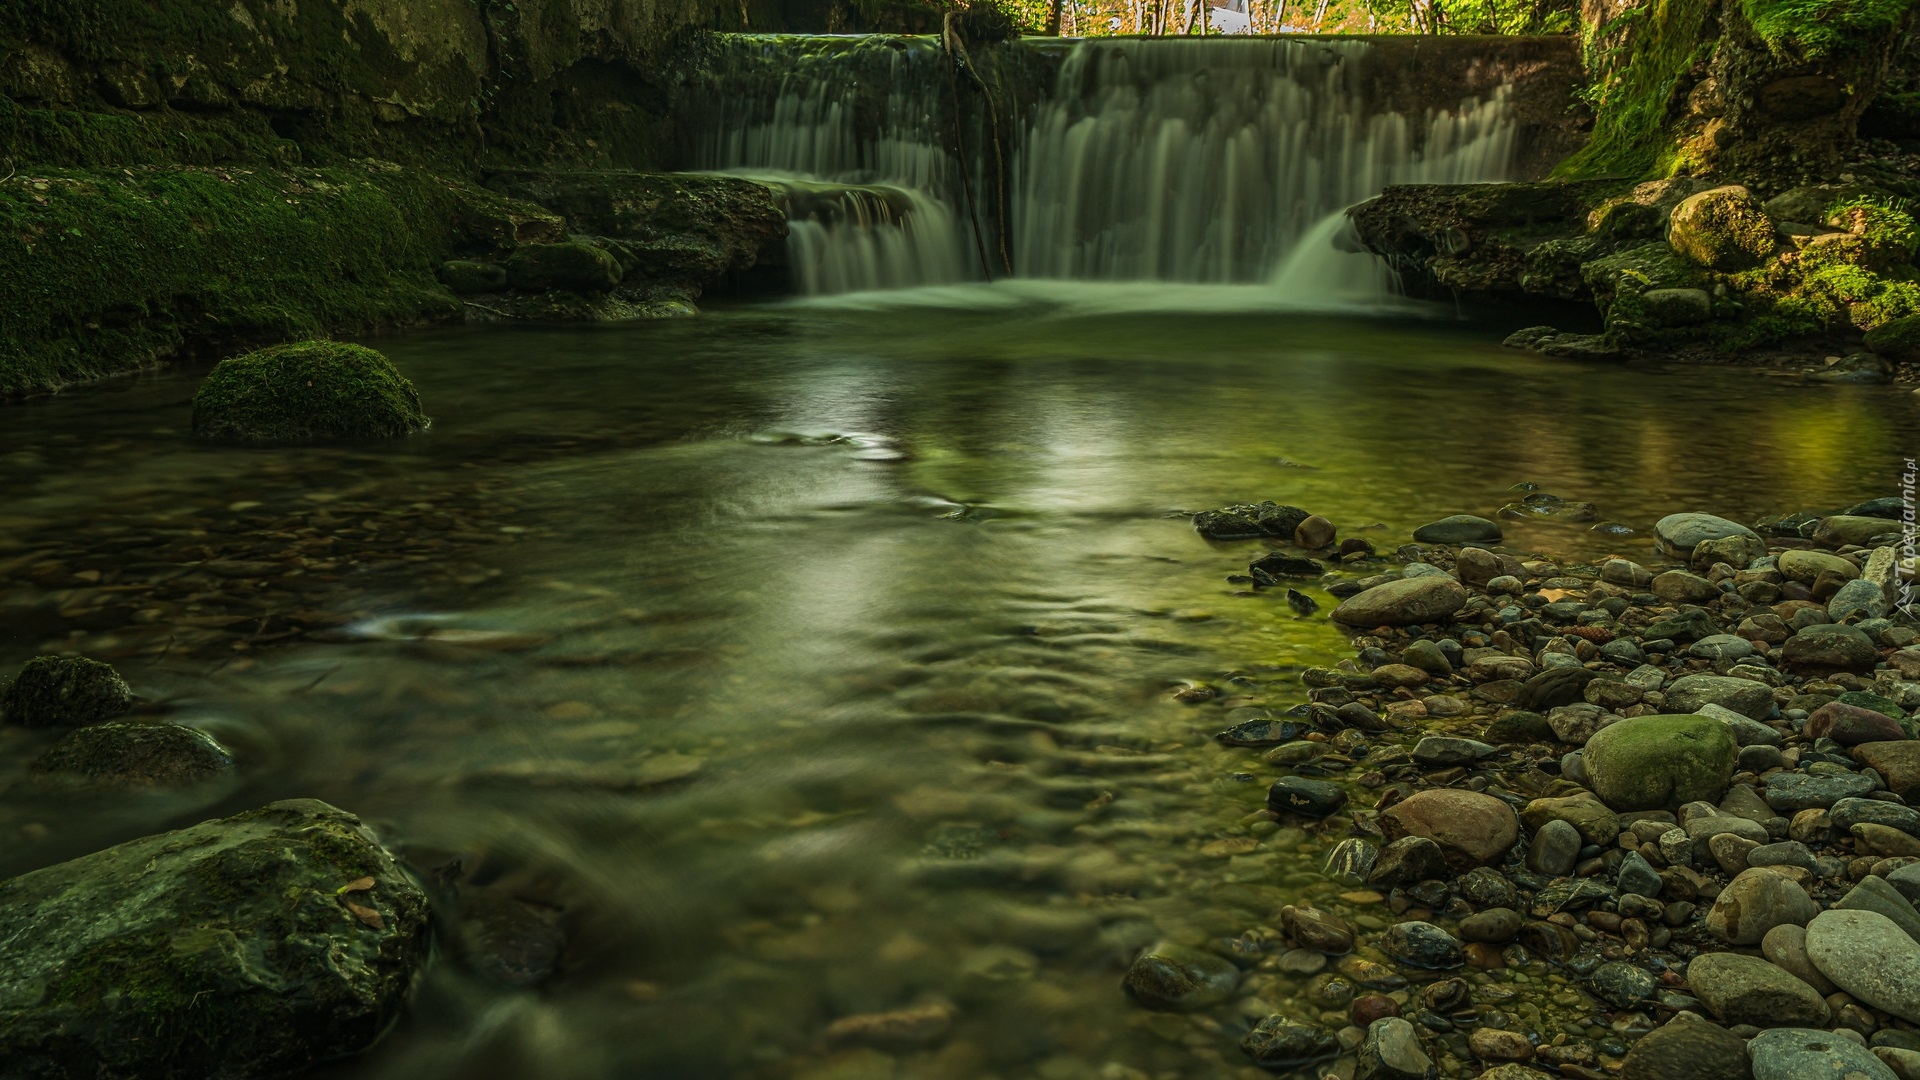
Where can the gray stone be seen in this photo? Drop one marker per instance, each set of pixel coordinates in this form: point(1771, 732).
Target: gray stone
point(1744, 696)
point(1403, 603)
point(1706, 821)
point(1784, 853)
point(1721, 647)
point(1495, 926)
point(1870, 957)
point(1748, 990)
point(1637, 876)
point(1407, 860)
point(1828, 647)
point(1787, 792)
point(1391, 1051)
point(1730, 852)
point(1278, 1043)
point(1808, 1054)
point(1746, 730)
point(1785, 946)
point(1676, 534)
point(1428, 657)
point(1680, 587)
point(1906, 880)
point(1878, 895)
point(249, 927)
point(1458, 529)
point(1858, 599)
point(1625, 572)
point(1555, 848)
point(1306, 797)
point(1450, 750)
point(1422, 945)
point(1621, 984)
point(1805, 566)
point(1850, 812)
point(1754, 902)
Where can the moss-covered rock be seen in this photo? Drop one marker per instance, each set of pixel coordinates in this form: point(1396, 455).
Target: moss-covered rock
point(1724, 228)
point(57, 691)
point(469, 276)
point(1660, 762)
point(123, 755)
point(310, 391)
point(1897, 340)
point(258, 945)
point(572, 266)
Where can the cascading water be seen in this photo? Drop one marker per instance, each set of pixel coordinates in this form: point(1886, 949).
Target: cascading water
point(848, 131)
point(1177, 160)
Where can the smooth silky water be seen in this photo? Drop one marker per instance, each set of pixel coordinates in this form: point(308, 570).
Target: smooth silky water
point(815, 659)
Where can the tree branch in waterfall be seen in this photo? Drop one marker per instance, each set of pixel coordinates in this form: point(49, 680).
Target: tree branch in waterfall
point(956, 45)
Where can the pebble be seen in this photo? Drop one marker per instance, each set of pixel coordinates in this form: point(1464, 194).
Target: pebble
point(1278, 1043)
point(1422, 945)
point(1392, 1051)
point(1470, 828)
point(1458, 529)
point(1786, 947)
point(1176, 977)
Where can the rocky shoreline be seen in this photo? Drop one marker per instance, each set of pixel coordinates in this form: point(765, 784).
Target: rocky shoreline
point(1681, 786)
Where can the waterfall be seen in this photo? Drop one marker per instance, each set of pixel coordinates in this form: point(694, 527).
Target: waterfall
point(1170, 159)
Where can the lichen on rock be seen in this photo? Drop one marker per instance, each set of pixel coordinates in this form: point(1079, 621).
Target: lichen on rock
point(311, 391)
point(257, 945)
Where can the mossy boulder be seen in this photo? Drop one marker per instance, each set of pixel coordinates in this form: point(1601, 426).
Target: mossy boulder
point(59, 691)
point(257, 945)
point(310, 391)
point(1723, 228)
point(1898, 340)
point(575, 266)
point(126, 756)
point(1660, 762)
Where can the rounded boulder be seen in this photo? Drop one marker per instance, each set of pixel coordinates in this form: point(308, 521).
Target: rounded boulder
point(1406, 602)
point(1470, 828)
point(1723, 228)
point(1660, 762)
point(306, 392)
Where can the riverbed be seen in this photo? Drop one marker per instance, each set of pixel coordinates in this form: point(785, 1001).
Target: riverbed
point(818, 660)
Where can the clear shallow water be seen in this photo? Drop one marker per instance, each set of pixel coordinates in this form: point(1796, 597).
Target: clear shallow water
point(815, 660)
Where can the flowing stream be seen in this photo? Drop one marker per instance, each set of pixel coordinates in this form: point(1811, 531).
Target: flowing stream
point(808, 662)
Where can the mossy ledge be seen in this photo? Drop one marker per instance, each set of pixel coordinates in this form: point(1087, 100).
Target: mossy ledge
point(105, 272)
point(309, 391)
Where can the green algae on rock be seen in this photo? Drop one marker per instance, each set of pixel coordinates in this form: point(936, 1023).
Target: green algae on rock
point(248, 946)
point(1660, 762)
point(310, 391)
point(131, 756)
point(56, 691)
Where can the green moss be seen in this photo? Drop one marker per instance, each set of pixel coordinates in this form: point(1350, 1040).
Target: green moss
point(1884, 224)
point(310, 391)
point(1813, 29)
point(1636, 84)
point(1897, 339)
point(1853, 295)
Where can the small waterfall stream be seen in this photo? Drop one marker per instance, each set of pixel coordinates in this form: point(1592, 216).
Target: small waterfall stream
point(1127, 159)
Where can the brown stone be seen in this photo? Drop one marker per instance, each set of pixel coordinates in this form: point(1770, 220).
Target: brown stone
point(1314, 533)
point(1898, 763)
point(1471, 829)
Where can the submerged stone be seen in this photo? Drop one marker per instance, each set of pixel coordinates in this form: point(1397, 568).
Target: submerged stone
point(257, 945)
point(1278, 1043)
point(56, 691)
point(1176, 977)
point(135, 756)
point(310, 391)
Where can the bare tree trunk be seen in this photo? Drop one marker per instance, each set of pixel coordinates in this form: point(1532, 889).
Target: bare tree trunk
point(1053, 19)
